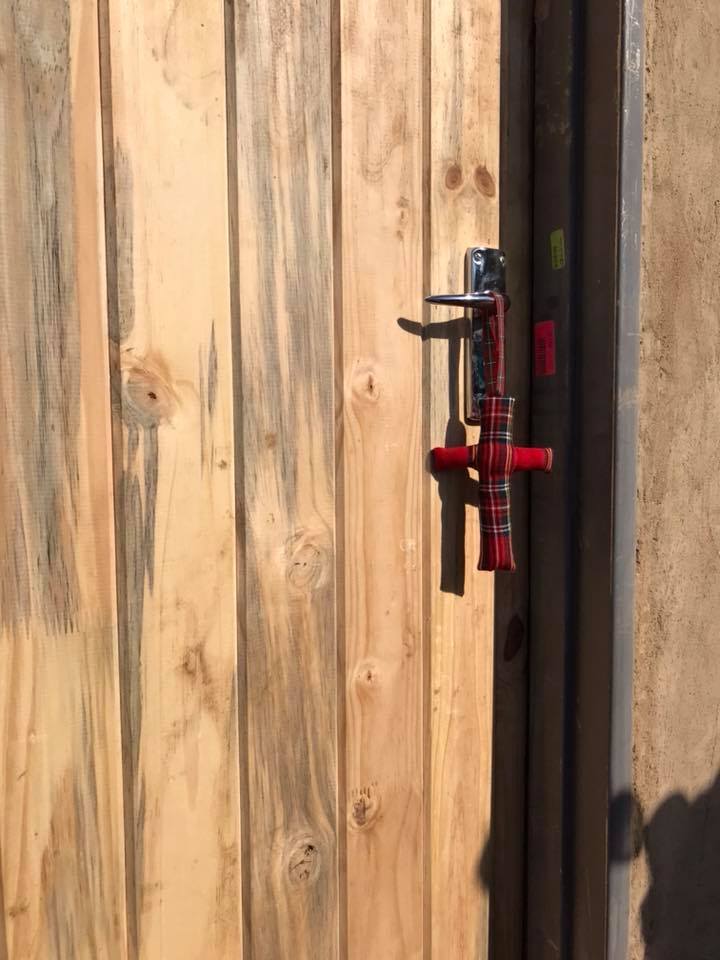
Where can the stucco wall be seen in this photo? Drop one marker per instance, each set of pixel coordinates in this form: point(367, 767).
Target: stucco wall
point(676, 878)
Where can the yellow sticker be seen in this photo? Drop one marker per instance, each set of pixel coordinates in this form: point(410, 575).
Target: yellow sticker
point(557, 249)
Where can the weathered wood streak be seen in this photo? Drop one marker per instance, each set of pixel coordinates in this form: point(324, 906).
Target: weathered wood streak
point(212, 373)
point(207, 380)
point(464, 172)
point(60, 781)
point(174, 420)
point(382, 216)
point(51, 343)
point(121, 305)
point(136, 525)
point(283, 97)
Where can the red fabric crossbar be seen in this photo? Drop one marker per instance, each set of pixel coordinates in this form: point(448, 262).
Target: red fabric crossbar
point(495, 458)
point(532, 458)
point(523, 458)
point(452, 458)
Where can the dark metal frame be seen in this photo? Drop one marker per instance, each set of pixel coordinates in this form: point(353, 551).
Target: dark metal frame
point(587, 166)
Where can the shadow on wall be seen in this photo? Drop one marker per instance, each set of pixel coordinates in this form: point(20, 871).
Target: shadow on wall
point(680, 915)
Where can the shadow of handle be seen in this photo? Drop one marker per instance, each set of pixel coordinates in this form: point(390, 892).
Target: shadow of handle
point(455, 489)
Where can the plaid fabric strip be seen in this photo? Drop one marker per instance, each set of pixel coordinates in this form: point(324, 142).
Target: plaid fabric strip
point(494, 348)
point(493, 461)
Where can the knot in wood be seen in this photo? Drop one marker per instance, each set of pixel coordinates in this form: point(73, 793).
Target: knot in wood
point(366, 383)
point(303, 862)
point(367, 679)
point(484, 181)
point(365, 808)
point(307, 562)
point(453, 177)
point(148, 394)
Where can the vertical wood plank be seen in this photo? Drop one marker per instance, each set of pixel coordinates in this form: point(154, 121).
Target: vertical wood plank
point(175, 492)
point(285, 243)
point(382, 252)
point(60, 778)
point(464, 163)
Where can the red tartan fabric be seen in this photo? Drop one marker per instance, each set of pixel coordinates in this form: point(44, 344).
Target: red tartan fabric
point(494, 456)
point(532, 458)
point(523, 458)
point(494, 349)
point(452, 458)
point(495, 459)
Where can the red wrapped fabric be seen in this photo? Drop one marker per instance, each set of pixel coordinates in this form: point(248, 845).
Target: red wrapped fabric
point(496, 459)
point(494, 349)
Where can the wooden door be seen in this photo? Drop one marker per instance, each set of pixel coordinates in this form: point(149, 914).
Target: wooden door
point(246, 658)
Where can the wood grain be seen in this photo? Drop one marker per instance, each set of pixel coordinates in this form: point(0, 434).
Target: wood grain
point(285, 245)
point(464, 173)
point(166, 144)
point(250, 714)
point(382, 232)
point(60, 778)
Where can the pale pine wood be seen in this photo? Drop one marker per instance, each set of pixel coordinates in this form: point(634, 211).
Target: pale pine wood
point(285, 287)
point(60, 779)
point(167, 148)
point(382, 280)
point(464, 144)
point(363, 160)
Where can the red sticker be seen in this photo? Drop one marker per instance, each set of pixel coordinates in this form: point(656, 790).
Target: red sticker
point(544, 335)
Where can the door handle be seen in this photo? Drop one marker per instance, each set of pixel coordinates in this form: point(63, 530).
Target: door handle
point(494, 456)
point(484, 284)
point(469, 300)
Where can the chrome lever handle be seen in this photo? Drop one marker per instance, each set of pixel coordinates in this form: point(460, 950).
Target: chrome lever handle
point(475, 301)
point(484, 275)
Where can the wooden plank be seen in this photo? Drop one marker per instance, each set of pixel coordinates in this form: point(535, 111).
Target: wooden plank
point(167, 152)
point(60, 780)
point(464, 190)
point(382, 211)
point(285, 243)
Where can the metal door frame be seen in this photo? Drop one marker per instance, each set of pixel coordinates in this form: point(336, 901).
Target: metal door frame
point(587, 176)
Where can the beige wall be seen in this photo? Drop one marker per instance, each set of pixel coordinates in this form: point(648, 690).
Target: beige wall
point(676, 880)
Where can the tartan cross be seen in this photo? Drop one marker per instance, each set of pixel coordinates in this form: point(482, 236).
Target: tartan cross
point(493, 456)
